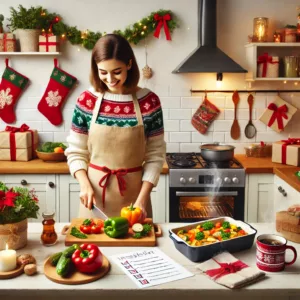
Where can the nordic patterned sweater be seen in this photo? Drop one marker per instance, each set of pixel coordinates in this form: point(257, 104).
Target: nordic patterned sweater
point(118, 110)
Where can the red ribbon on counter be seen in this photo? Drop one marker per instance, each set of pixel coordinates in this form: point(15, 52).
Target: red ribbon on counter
point(47, 43)
point(265, 59)
point(162, 20)
point(289, 141)
point(5, 40)
point(279, 113)
point(12, 139)
point(226, 269)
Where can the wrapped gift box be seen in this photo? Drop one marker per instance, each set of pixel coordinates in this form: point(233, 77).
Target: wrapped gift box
point(278, 114)
point(287, 152)
point(18, 144)
point(267, 66)
point(7, 42)
point(48, 43)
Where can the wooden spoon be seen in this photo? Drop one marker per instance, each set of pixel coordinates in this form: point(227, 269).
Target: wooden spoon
point(250, 129)
point(235, 128)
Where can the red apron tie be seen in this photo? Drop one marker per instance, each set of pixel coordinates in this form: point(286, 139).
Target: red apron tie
point(120, 173)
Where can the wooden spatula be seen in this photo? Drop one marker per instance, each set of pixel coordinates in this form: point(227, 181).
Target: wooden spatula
point(235, 128)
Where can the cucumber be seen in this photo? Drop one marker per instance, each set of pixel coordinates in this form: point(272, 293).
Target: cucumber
point(54, 258)
point(70, 250)
point(63, 266)
point(137, 227)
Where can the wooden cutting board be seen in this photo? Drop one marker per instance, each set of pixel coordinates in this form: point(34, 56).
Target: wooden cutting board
point(103, 240)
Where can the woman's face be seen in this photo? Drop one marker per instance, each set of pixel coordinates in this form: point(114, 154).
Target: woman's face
point(113, 74)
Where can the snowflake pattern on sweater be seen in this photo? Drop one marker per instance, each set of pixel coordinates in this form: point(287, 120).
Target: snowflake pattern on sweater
point(116, 113)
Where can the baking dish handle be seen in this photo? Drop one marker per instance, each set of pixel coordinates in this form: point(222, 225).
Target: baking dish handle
point(175, 238)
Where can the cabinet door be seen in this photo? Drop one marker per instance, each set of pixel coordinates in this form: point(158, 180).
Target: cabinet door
point(44, 186)
point(284, 195)
point(158, 200)
point(259, 201)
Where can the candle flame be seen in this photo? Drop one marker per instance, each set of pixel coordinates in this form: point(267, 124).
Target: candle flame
point(6, 246)
point(260, 31)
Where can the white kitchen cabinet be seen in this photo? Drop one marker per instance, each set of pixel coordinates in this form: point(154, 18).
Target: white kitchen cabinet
point(259, 202)
point(44, 185)
point(284, 195)
point(253, 50)
point(69, 199)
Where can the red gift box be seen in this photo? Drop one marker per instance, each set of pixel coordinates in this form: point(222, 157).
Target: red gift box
point(48, 43)
point(7, 42)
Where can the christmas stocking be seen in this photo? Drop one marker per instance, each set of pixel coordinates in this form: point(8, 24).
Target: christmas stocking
point(57, 90)
point(11, 87)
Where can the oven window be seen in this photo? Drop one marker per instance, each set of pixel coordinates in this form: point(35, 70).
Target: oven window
point(206, 207)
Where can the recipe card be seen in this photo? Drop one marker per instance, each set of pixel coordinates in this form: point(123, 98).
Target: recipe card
point(149, 267)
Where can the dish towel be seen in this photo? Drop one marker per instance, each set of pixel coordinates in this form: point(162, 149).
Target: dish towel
point(227, 270)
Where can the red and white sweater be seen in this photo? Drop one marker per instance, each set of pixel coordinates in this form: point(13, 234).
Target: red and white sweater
point(118, 110)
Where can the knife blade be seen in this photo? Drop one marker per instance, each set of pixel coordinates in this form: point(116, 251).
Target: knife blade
point(99, 213)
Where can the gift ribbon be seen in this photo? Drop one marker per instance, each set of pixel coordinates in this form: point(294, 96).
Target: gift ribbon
point(265, 59)
point(47, 43)
point(12, 139)
point(162, 20)
point(278, 113)
point(286, 143)
point(5, 40)
point(226, 269)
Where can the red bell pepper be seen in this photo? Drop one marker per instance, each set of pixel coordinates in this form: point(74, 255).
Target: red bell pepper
point(88, 258)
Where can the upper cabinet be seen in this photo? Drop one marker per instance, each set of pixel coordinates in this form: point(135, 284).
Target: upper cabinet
point(254, 50)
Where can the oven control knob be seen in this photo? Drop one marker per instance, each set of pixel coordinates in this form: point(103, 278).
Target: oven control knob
point(219, 180)
point(227, 180)
point(182, 180)
point(192, 180)
point(235, 180)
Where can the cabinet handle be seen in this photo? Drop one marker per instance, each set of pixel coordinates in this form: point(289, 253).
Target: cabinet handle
point(280, 189)
point(284, 193)
point(51, 184)
point(23, 182)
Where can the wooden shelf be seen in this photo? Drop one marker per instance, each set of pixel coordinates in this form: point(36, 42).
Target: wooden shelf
point(272, 45)
point(274, 79)
point(29, 53)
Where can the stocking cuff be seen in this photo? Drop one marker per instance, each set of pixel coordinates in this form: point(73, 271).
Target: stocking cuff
point(15, 78)
point(63, 77)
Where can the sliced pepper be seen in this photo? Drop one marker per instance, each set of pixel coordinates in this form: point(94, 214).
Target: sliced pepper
point(116, 227)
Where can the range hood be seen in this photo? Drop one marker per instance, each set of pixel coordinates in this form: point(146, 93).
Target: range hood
point(207, 57)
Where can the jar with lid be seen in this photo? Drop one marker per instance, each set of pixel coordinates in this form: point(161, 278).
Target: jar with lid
point(49, 236)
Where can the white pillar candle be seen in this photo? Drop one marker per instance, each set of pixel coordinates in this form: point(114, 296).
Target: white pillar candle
point(8, 260)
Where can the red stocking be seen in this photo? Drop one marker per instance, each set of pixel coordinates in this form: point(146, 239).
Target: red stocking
point(11, 87)
point(57, 90)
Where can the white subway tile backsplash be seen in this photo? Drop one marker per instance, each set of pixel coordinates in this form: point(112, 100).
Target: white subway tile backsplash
point(60, 136)
point(67, 114)
point(46, 137)
point(173, 147)
point(221, 115)
point(260, 126)
point(191, 102)
point(32, 125)
point(192, 147)
point(171, 125)
point(165, 114)
point(242, 114)
point(186, 125)
point(259, 101)
point(170, 102)
point(219, 137)
point(47, 126)
point(29, 115)
point(166, 137)
point(197, 137)
point(222, 125)
point(180, 137)
point(28, 103)
point(218, 101)
point(270, 136)
point(180, 114)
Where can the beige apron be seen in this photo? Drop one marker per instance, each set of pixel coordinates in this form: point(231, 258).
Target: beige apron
point(115, 148)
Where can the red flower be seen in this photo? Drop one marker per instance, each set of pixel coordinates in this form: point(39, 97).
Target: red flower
point(8, 198)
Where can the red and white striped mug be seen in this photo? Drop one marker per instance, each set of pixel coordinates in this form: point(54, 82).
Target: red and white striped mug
point(270, 253)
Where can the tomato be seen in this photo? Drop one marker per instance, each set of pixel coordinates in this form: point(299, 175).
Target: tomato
point(191, 234)
point(218, 225)
point(86, 229)
point(226, 230)
point(212, 231)
point(96, 229)
point(100, 223)
point(242, 231)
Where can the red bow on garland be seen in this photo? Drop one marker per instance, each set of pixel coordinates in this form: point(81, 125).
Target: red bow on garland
point(279, 113)
point(226, 269)
point(265, 59)
point(7, 198)
point(162, 20)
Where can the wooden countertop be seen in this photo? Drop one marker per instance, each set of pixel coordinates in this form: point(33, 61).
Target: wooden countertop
point(37, 166)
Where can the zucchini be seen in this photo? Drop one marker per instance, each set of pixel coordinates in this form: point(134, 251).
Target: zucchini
point(63, 266)
point(137, 227)
point(70, 250)
point(54, 258)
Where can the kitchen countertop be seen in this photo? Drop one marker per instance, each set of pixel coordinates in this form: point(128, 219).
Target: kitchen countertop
point(116, 285)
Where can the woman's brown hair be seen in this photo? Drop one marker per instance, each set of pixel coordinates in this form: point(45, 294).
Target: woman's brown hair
point(113, 46)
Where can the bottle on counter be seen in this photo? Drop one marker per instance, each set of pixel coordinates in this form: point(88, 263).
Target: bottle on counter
point(49, 236)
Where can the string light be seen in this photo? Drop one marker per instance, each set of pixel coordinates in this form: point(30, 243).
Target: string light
point(284, 82)
point(296, 83)
point(145, 27)
point(63, 35)
point(142, 33)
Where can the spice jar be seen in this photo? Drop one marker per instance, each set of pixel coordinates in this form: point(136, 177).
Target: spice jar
point(49, 236)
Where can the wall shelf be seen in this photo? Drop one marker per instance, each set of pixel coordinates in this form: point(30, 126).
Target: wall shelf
point(29, 53)
point(254, 50)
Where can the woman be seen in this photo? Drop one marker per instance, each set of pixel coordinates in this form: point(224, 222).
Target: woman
point(116, 143)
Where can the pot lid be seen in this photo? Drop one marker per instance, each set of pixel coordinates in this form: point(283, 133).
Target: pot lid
point(217, 147)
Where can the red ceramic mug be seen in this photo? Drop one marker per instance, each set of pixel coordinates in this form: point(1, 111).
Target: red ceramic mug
point(270, 252)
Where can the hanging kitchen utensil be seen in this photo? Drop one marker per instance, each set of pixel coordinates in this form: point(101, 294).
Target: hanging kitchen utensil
point(235, 128)
point(250, 130)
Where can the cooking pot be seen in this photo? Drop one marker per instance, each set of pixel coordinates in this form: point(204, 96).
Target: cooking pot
point(217, 152)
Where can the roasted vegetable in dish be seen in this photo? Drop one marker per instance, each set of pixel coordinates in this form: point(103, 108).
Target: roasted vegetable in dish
point(209, 233)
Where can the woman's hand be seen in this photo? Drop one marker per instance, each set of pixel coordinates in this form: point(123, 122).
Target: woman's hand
point(142, 206)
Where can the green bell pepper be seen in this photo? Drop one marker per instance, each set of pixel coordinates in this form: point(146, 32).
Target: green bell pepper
point(116, 227)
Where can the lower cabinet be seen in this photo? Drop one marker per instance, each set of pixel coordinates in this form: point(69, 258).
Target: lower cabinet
point(44, 185)
point(259, 198)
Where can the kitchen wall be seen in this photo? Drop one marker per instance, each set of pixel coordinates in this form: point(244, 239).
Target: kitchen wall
point(235, 19)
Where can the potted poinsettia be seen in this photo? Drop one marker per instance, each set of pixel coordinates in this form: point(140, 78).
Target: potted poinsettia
point(17, 204)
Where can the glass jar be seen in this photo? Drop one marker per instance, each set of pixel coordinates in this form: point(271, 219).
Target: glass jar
point(49, 236)
point(290, 35)
point(260, 29)
point(291, 64)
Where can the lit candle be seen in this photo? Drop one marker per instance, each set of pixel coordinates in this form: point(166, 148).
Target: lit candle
point(260, 32)
point(8, 260)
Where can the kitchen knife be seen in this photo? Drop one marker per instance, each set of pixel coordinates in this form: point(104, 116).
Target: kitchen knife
point(99, 213)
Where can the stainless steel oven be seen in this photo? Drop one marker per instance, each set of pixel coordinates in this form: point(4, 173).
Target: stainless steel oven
point(200, 192)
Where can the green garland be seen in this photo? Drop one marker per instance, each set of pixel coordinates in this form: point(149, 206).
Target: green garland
point(133, 33)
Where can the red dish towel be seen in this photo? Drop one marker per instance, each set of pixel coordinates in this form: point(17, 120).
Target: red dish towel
point(227, 270)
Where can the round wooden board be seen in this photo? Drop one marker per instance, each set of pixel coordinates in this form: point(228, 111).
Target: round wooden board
point(75, 277)
point(11, 274)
